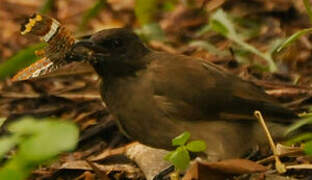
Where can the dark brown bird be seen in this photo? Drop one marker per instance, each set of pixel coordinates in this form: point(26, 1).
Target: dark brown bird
point(155, 96)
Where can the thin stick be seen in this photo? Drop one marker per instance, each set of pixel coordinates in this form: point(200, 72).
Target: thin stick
point(280, 167)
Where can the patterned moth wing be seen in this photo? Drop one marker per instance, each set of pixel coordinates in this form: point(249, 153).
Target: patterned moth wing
point(59, 42)
point(39, 68)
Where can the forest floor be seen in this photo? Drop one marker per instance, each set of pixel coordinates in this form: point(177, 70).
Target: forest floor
point(183, 30)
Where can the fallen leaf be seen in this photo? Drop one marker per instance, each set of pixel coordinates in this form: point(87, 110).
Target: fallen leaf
point(221, 170)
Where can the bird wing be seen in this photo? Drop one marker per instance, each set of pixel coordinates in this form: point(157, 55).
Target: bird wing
point(196, 89)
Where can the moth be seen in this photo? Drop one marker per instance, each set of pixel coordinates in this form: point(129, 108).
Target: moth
point(59, 42)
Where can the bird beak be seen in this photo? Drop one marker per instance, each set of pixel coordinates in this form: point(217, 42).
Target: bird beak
point(87, 50)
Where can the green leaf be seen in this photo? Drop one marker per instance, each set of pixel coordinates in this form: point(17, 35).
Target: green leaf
point(11, 173)
point(221, 23)
point(55, 137)
point(307, 6)
point(145, 10)
point(26, 125)
point(2, 120)
point(299, 138)
point(91, 13)
point(7, 143)
point(47, 138)
point(219, 27)
point(181, 139)
point(22, 59)
point(306, 114)
point(293, 38)
point(180, 158)
point(16, 169)
point(196, 146)
point(168, 156)
point(37, 142)
point(308, 148)
point(298, 124)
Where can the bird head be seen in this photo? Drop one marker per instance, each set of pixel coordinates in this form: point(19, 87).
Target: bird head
point(116, 51)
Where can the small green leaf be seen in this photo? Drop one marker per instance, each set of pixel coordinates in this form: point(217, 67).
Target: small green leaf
point(168, 156)
point(293, 38)
point(308, 148)
point(181, 139)
point(180, 158)
point(196, 146)
point(298, 124)
point(22, 59)
point(220, 23)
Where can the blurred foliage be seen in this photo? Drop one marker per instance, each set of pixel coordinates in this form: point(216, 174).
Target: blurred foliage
point(221, 23)
point(150, 32)
point(2, 120)
point(38, 141)
point(209, 47)
point(91, 13)
point(145, 11)
point(248, 28)
point(307, 6)
point(169, 5)
point(293, 38)
point(46, 7)
point(300, 33)
point(180, 157)
point(21, 59)
point(305, 119)
point(304, 138)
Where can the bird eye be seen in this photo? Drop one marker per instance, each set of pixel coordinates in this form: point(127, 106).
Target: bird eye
point(117, 43)
point(112, 43)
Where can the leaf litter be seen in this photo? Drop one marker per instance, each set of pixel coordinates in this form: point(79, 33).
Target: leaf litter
point(73, 94)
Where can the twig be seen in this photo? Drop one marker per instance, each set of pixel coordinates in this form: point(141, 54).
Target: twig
point(271, 158)
point(280, 167)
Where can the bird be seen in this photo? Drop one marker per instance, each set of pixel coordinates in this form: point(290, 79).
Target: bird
point(155, 96)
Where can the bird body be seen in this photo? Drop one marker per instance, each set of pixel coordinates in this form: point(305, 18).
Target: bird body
point(156, 96)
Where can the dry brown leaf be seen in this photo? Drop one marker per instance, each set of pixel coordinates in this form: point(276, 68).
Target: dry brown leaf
point(222, 169)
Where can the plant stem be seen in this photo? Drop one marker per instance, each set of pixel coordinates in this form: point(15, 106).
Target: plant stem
point(280, 167)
